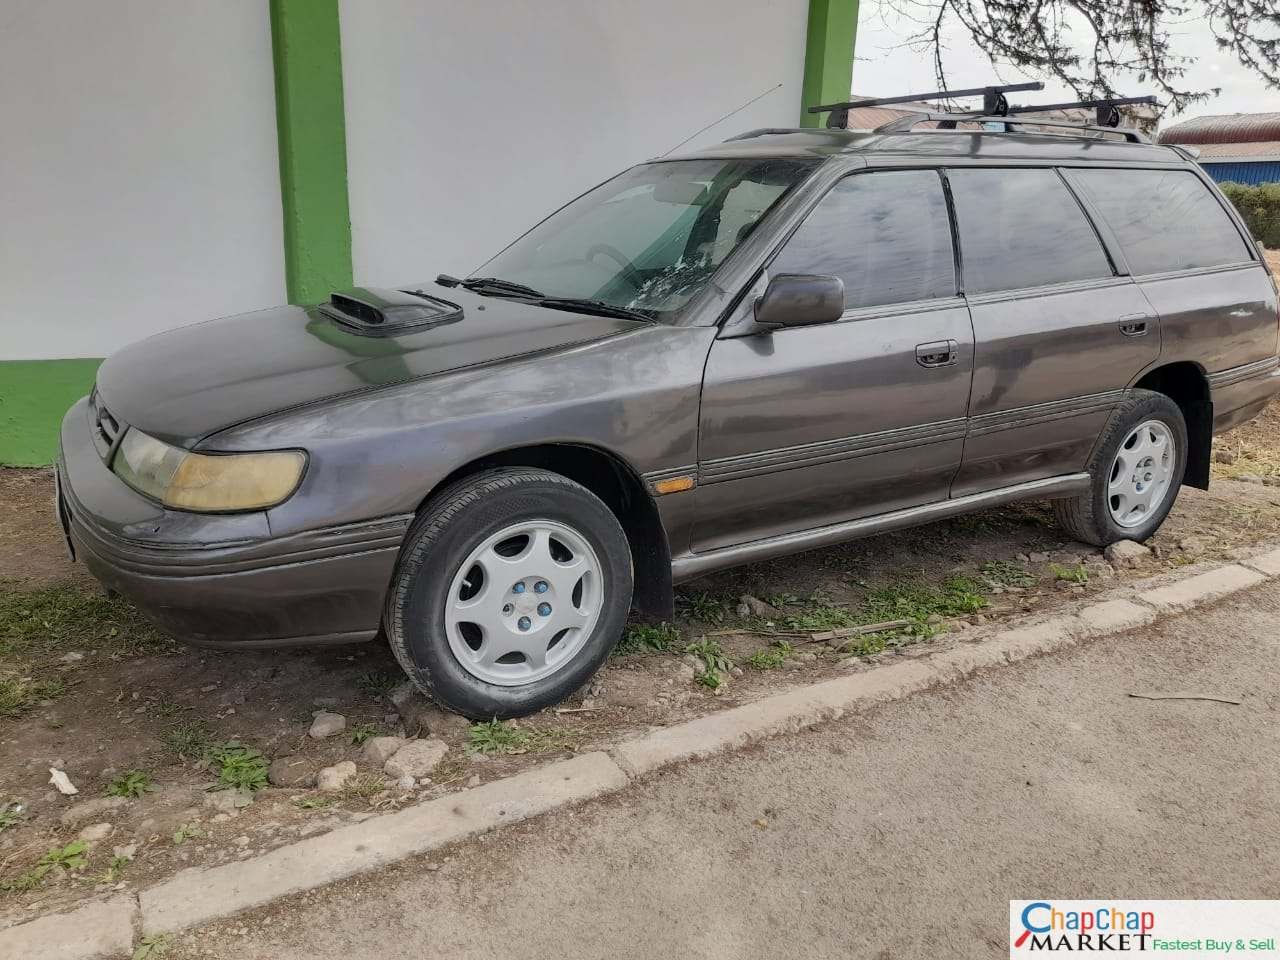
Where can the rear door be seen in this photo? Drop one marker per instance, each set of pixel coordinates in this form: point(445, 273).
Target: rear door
point(808, 426)
point(1059, 332)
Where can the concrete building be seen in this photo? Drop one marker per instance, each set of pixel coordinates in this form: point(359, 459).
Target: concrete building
point(169, 161)
point(1236, 147)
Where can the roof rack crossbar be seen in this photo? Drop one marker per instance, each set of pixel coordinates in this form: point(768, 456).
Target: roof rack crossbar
point(993, 100)
point(949, 120)
point(1105, 112)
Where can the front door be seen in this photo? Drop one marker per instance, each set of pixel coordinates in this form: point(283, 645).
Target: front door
point(809, 426)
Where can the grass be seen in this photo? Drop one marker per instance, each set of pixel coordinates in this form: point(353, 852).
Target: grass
point(704, 607)
point(648, 638)
point(771, 657)
point(238, 766)
point(61, 617)
point(314, 802)
point(133, 783)
point(715, 662)
point(375, 683)
point(362, 733)
point(497, 737)
point(10, 816)
point(1007, 573)
point(188, 831)
point(189, 740)
point(20, 695)
point(71, 857)
point(1078, 573)
point(152, 948)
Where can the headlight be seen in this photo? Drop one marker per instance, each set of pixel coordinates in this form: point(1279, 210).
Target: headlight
point(198, 481)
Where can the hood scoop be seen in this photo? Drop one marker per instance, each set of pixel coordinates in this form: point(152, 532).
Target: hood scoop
point(379, 312)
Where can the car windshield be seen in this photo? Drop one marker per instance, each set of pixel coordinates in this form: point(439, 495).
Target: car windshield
point(650, 238)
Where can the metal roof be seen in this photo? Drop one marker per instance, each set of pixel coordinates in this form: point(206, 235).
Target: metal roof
point(1225, 128)
point(1260, 152)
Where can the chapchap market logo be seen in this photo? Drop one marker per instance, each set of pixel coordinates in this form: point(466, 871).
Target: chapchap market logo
point(1104, 928)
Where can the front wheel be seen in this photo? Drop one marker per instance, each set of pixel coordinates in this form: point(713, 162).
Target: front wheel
point(511, 589)
point(1136, 469)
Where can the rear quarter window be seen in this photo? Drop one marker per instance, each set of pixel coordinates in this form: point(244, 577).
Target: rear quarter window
point(1022, 228)
point(1164, 220)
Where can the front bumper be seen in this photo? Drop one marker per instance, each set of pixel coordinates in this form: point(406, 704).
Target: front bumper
point(222, 579)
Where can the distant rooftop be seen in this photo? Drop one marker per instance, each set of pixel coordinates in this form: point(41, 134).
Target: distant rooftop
point(1226, 128)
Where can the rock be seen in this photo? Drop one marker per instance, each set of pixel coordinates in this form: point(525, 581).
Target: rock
point(326, 725)
point(1224, 456)
point(96, 831)
point(1249, 478)
point(1041, 557)
point(474, 781)
point(756, 607)
point(333, 779)
point(291, 772)
point(417, 758)
point(91, 809)
point(72, 657)
point(406, 783)
point(125, 852)
point(379, 750)
point(1193, 546)
point(805, 656)
point(1126, 553)
point(62, 782)
point(422, 718)
point(228, 801)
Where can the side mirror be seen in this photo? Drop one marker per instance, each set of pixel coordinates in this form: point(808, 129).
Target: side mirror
point(800, 300)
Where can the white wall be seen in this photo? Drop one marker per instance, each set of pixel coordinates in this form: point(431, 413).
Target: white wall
point(139, 181)
point(468, 122)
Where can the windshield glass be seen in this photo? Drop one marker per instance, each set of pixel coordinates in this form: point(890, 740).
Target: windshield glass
point(651, 237)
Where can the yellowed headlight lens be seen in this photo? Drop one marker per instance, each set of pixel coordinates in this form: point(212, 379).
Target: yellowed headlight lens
point(239, 481)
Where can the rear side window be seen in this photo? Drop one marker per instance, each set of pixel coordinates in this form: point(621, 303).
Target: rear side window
point(1164, 220)
point(886, 235)
point(1022, 228)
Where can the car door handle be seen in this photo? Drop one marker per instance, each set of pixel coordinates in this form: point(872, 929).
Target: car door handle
point(939, 353)
point(1134, 324)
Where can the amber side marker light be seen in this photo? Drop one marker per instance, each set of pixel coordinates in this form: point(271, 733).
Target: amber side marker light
point(673, 485)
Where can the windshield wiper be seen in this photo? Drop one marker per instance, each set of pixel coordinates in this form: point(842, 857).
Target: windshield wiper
point(599, 307)
point(499, 286)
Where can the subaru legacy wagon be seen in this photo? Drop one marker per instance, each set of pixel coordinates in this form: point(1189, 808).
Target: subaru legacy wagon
point(785, 341)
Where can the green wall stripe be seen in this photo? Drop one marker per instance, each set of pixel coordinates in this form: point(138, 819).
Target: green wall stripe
point(307, 49)
point(34, 394)
point(828, 58)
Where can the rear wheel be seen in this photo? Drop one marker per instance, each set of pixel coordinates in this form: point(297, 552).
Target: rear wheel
point(512, 587)
point(1136, 469)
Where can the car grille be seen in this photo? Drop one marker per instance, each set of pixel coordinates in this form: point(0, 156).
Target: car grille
point(106, 429)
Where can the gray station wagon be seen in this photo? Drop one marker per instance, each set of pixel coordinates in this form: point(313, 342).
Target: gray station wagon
point(788, 340)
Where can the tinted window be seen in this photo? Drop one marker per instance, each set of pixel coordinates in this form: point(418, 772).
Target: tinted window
point(1022, 228)
point(1164, 219)
point(886, 235)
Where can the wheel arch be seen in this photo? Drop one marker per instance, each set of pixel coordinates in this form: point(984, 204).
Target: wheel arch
point(1185, 383)
point(616, 483)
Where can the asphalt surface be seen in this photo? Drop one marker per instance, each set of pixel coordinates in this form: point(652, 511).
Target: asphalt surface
point(900, 833)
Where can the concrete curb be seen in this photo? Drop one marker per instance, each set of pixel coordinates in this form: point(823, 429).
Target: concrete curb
point(197, 895)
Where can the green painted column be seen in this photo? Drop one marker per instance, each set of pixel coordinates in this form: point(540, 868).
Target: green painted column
point(307, 49)
point(828, 59)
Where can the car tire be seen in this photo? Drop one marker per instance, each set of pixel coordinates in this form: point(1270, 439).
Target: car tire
point(511, 589)
point(1142, 453)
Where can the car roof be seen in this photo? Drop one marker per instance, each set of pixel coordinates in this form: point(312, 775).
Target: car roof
point(936, 145)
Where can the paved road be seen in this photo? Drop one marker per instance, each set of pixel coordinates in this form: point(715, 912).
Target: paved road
point(901, 833)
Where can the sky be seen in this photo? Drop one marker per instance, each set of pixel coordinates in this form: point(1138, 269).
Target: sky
point(883, 67)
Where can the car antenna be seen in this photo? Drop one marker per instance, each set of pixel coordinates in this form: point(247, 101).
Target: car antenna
point(721, 119)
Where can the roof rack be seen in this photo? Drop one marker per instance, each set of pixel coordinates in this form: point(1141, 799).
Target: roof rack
point(993, 100)
point(948, 121)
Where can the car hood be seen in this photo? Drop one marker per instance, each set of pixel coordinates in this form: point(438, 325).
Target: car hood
point(183, 385)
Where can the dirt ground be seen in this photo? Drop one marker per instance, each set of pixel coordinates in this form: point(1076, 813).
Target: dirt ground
point(901, 832)
point(89, 688)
